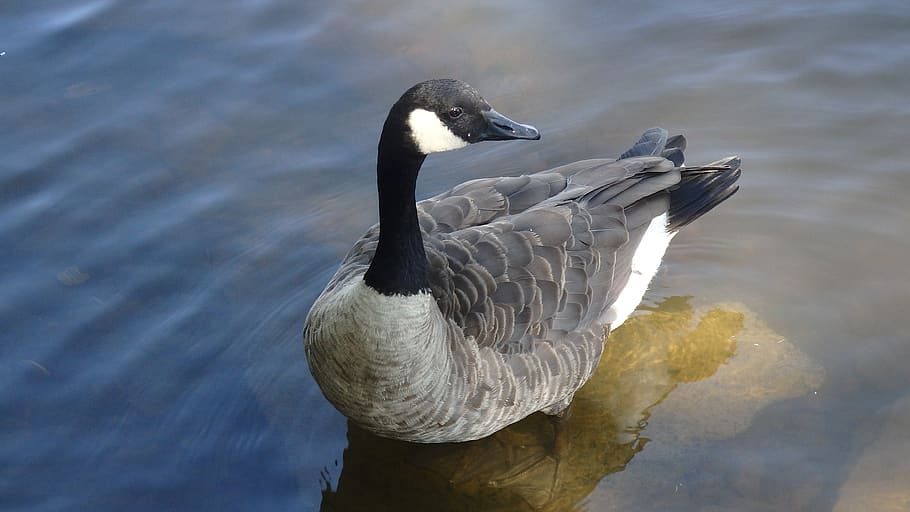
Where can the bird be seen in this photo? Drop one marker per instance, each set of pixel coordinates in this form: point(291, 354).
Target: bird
point(458, 315)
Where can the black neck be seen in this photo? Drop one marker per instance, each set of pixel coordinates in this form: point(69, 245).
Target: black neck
point(400, 263)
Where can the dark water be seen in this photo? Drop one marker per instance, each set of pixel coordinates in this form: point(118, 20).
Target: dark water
point(179, 180)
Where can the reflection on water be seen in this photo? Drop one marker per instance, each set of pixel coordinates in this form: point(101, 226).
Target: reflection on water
point(540, 463)
point(686, 463)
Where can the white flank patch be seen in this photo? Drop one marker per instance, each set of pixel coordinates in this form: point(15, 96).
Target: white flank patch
point(430, 134)
point(645, 263)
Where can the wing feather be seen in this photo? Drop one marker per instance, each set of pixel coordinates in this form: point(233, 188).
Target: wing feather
point(544, 262)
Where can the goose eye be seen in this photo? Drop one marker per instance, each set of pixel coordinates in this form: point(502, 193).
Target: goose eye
point(455, 112)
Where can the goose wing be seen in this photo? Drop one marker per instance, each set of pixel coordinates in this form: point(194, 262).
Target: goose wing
point(516, 261)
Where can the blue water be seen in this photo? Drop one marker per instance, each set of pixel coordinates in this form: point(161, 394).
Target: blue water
point(179, 180)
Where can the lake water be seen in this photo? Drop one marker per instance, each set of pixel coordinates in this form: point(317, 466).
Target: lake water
point(180, 179)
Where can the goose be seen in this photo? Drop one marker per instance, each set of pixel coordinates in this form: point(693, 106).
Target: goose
point(461, 314)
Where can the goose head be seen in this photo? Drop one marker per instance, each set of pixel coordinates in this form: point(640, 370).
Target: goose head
point(445, 114)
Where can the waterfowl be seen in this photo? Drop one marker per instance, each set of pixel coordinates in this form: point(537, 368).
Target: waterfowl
point(460, 314)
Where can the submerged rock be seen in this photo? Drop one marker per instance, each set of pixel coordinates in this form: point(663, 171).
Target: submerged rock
point(698, 371)
point(679, 468)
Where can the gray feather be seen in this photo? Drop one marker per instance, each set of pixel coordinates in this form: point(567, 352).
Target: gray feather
point(652, 142)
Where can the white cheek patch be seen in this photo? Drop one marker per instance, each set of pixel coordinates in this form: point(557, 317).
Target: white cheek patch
point(430, 134)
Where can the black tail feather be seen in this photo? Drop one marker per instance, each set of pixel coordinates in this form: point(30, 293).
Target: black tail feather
point(701, 189)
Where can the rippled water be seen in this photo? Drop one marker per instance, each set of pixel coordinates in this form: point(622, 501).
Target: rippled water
point(179, 180)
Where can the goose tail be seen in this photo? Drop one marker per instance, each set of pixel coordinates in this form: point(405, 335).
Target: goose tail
point(700, 189)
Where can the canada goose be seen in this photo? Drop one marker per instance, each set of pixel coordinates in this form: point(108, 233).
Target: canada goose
point(461, 314)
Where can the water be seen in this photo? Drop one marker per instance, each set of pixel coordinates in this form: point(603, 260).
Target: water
point(179, 181)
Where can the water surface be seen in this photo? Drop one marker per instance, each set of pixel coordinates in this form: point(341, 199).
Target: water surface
point(179, 181)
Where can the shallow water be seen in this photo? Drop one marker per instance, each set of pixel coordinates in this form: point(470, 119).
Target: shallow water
point(180, 180)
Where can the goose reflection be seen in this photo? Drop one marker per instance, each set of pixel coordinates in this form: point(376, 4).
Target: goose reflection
point(538, 464)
